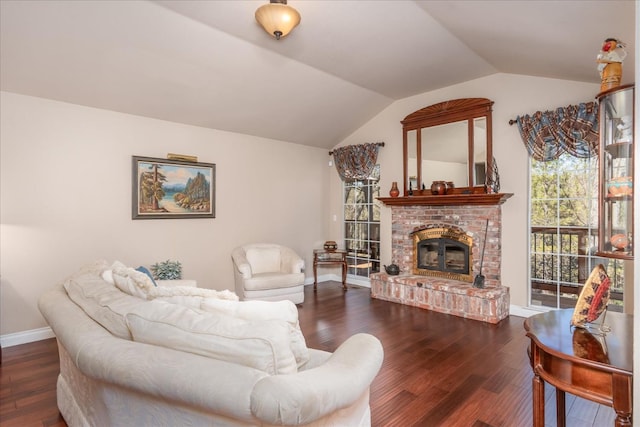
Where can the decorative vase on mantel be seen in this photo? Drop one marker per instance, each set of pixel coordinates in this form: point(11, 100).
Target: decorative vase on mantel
point(394, 192)
point(438, 188)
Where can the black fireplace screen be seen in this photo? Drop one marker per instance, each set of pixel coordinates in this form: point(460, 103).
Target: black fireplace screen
point(443, 255)
point(443, 252)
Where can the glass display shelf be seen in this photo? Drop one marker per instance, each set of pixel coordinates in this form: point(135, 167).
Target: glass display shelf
point(616, 160)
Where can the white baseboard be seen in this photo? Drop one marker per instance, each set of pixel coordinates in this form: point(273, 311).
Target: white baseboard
point(9, 340)
point(516, 310)
point(365, 282)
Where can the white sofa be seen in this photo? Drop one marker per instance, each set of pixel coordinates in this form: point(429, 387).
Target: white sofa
point(125, 361)
point(268, 272)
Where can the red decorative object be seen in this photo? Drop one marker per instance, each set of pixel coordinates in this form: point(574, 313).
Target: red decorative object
point(394, 192)
point(593, 298)
point(619, 241)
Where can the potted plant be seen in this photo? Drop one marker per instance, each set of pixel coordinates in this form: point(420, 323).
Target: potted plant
point(167, 270)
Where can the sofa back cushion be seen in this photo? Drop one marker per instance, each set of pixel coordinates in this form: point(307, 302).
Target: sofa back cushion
point(102, 302)
point(263, 345)
point(283, 310)
point(264, 259)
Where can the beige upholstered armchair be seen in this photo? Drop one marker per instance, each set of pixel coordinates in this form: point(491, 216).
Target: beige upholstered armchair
point(268, 272)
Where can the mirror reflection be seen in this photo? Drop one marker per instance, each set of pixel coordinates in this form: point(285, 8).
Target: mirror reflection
point(451, 142)
point(480, 150)
point(444, 154)
point(412, 154)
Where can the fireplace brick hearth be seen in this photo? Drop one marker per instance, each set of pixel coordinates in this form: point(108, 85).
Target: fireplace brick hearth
point(489, 304)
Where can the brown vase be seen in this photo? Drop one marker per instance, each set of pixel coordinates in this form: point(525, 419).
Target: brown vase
point(450, 187)
point(438, 188)
point(394, 192)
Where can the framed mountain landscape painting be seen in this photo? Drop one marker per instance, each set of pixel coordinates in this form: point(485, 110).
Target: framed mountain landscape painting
point(166, 188)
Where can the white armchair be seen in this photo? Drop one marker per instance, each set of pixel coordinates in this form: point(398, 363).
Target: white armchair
point(268, 272)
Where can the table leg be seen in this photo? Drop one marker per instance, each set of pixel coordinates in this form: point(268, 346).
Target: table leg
point(560, 408)
point(538, 401)
point(315, 277)
point(622, 402)
point(344, 275)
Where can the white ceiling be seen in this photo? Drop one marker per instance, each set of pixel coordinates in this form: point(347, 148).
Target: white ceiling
point(208, 63)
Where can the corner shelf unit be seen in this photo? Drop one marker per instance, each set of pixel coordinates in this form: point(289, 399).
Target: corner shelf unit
point(616, 160)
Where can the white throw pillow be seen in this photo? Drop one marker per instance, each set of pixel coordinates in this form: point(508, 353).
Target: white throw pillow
point(128, 285)
point(265, 310)
point(263, 345)
point(107, 276)
point(264, 260)
point(138, 284)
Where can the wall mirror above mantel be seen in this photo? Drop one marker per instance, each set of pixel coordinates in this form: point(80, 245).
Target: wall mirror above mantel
point(450, 141)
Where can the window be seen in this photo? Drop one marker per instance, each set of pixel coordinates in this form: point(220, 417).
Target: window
point(563, 214)
point(362, 225)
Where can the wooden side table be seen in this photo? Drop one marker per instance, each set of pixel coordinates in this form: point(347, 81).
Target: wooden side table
point(323, 257)
point(597, 368)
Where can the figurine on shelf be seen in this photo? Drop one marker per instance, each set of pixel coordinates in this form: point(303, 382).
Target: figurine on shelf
point(620, 186)
point(624, 129)
point(609, 62)
point(492, 182)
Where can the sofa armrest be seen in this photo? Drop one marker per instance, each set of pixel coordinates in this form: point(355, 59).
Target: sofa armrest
point(241, 263)
point(309, 395)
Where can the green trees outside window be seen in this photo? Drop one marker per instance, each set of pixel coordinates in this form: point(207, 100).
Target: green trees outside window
point(564, 232)
point(362, 225)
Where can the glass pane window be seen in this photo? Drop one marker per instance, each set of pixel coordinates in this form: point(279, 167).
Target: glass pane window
point(563, 214)
point(362, 225)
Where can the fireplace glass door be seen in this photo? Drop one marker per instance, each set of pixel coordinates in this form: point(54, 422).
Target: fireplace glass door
point(444, 255)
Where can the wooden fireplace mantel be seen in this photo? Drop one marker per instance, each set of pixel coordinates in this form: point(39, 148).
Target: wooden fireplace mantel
point(448, 200)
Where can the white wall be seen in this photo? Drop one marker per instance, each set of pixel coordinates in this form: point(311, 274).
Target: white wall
point(66, 198)
point(512, 95)
point(66, 190)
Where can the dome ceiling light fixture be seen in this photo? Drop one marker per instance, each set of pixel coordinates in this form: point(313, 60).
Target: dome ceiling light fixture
point(277, 18)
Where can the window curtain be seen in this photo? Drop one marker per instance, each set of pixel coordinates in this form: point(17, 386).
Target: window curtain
point(572, 129)
point(356, 162)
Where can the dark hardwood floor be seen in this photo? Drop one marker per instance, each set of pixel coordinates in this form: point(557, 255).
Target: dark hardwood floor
point(439, 370)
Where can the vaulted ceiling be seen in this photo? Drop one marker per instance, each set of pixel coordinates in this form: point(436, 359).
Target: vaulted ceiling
point(208, 63)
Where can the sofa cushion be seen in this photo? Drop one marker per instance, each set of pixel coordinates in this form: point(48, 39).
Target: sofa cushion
point(102, 302)
point(264, 260)
point(263, 345)
point(262, 281)
point(185, 300)
point(265, 310)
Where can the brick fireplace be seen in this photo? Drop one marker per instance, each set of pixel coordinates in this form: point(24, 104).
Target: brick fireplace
point(457, 297)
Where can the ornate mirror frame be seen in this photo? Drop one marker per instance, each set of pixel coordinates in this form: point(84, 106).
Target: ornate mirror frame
point(464, 111)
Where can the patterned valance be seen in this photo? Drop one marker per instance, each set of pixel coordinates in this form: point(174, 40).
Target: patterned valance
point(356, 162)
point(572, 129)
